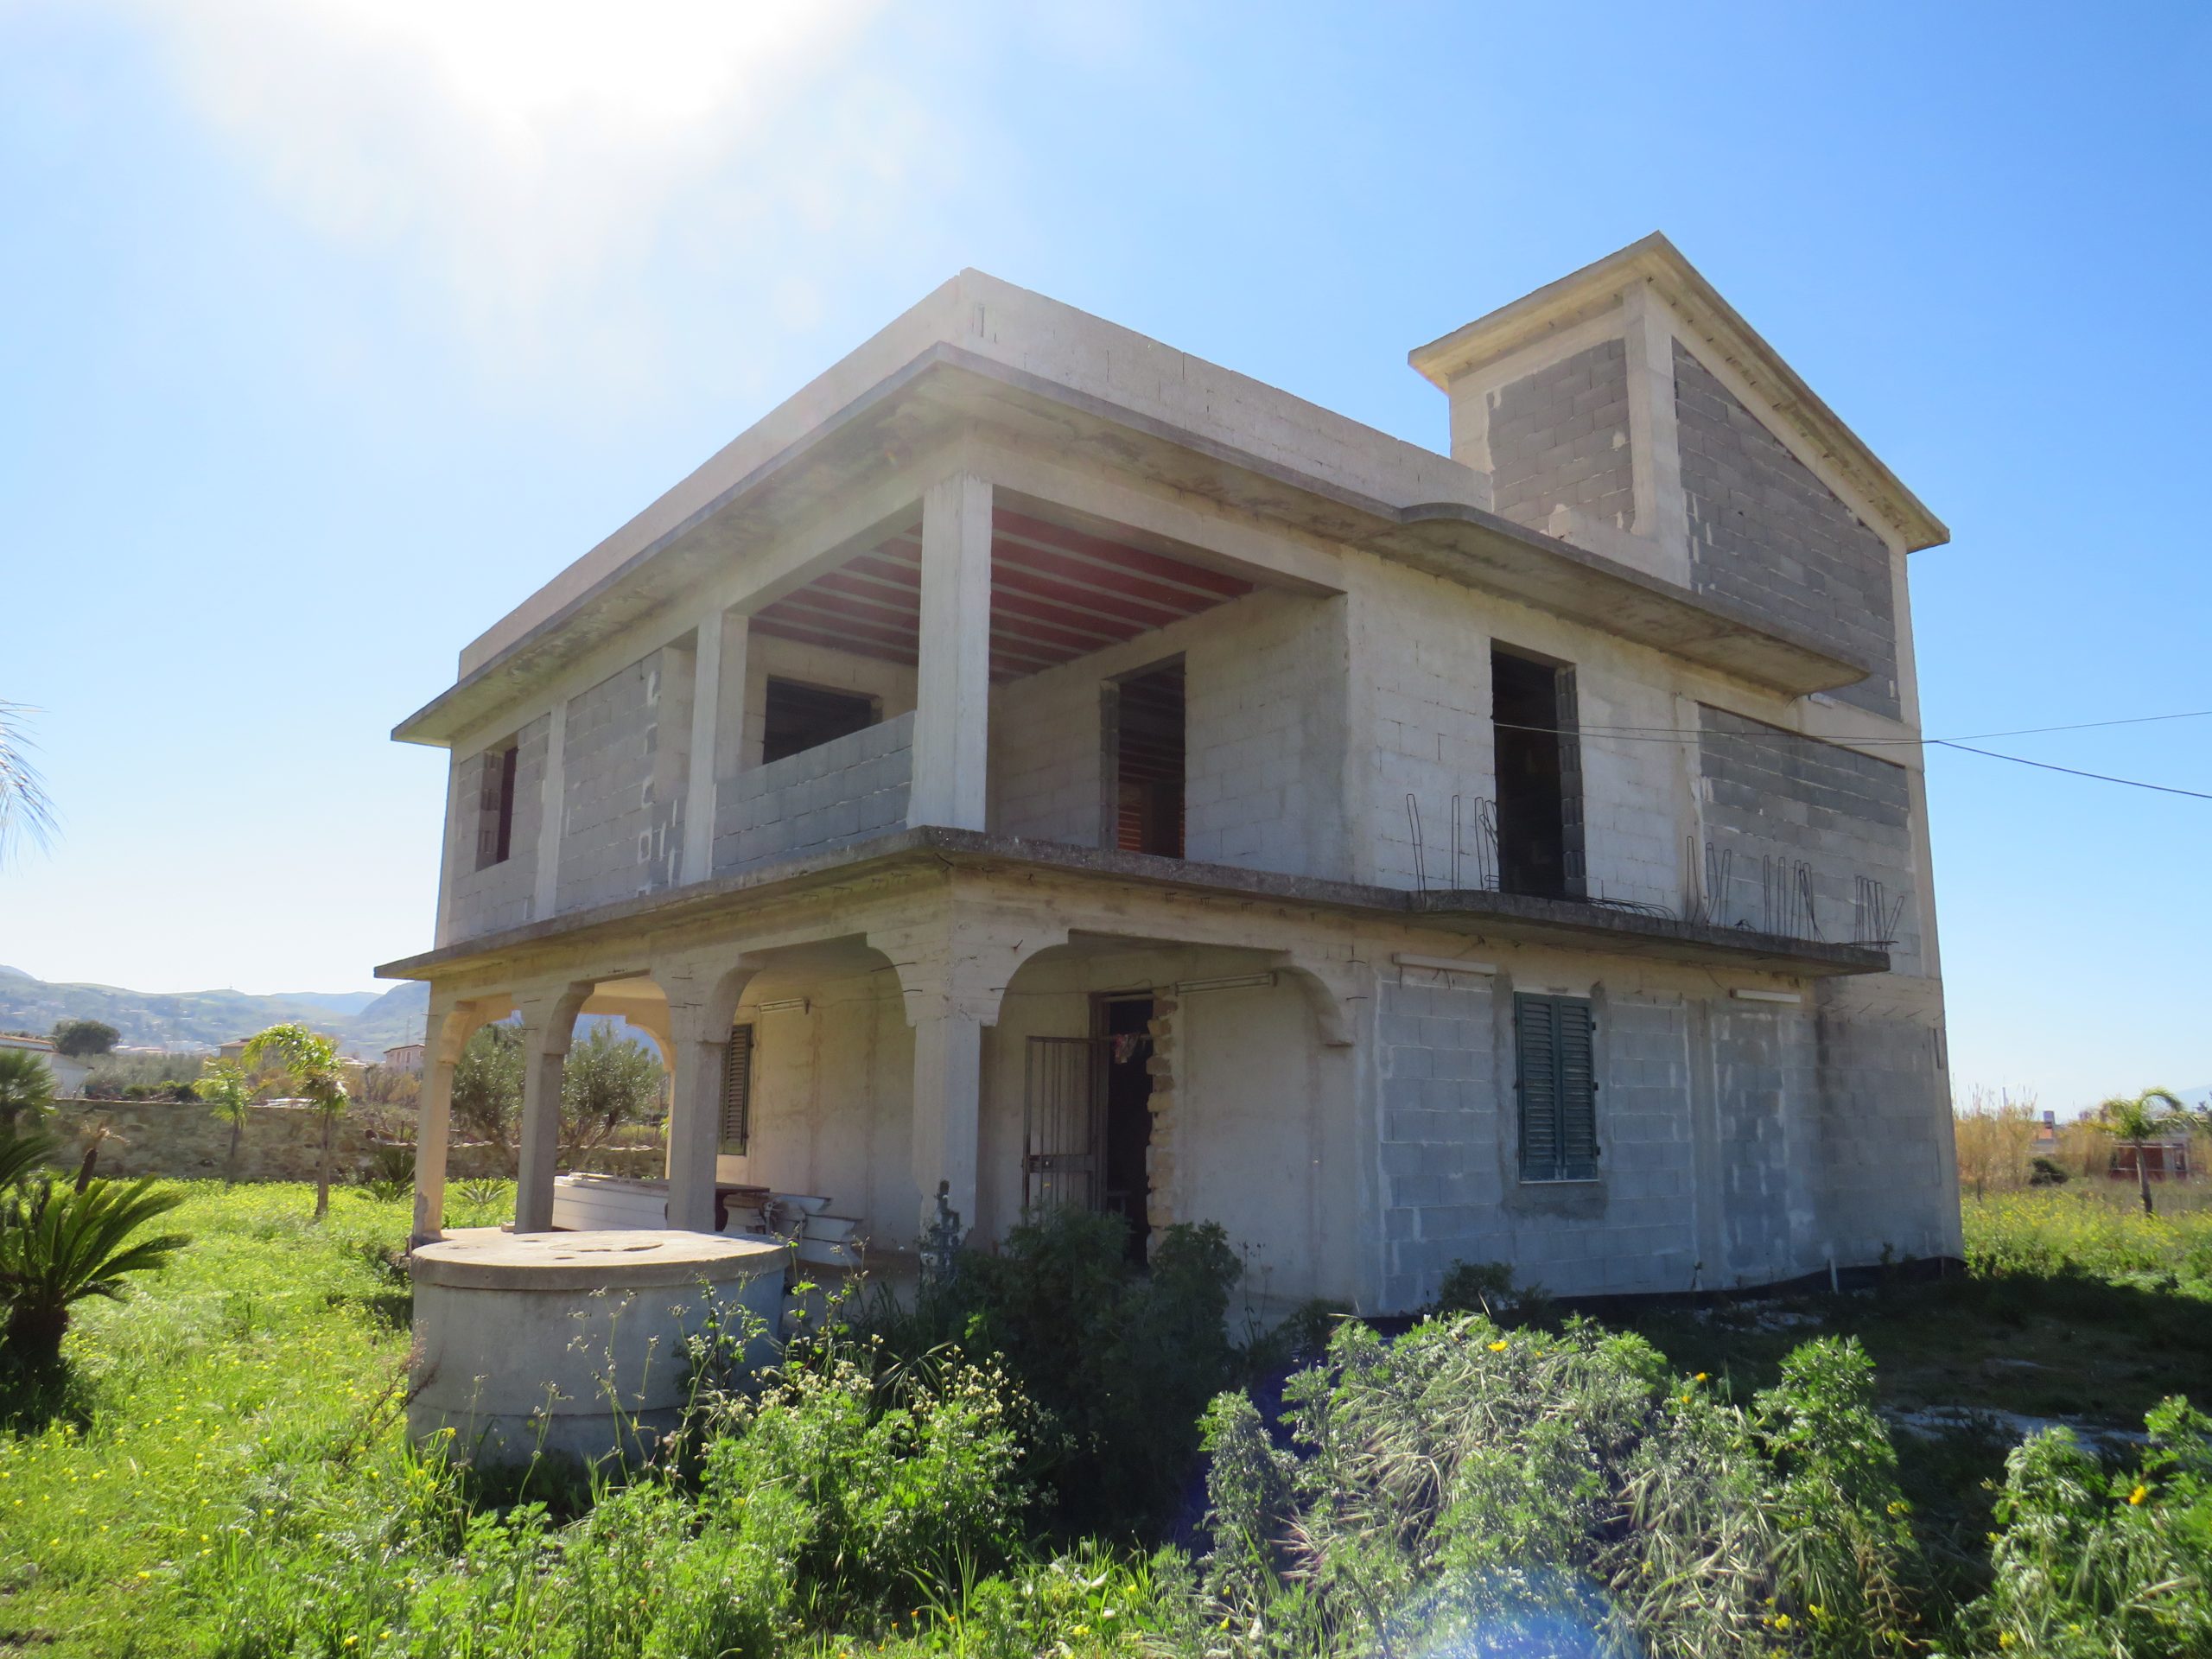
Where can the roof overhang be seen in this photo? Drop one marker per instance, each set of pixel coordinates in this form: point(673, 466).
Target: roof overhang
point(1560, 922)
point(946, 393)
point(1656, 261)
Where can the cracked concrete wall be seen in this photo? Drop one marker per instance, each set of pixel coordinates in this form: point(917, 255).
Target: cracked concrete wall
point(829, 796)
point(1768, 534)
point(499, 895)
point(1559, 436)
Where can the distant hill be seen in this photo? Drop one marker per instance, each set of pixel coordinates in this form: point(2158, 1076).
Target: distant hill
point(365, 1023)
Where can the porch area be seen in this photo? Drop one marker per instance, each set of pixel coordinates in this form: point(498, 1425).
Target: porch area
point(972, 1039)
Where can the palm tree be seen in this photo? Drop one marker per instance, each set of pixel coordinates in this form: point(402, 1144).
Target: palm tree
point(26, 1086)
point(225, 1085)
point(2144, 1120)
point(22, 1151)
point(60, 1244)
point(312, 1062)
point(24, 808)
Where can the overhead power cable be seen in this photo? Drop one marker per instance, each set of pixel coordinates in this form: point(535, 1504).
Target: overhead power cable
point(1675, 734)
point(2072, 771)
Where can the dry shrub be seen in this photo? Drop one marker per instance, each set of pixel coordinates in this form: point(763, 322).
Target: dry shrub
point(1996, 1138)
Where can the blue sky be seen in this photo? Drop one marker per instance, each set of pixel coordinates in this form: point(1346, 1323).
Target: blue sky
point(333, 326)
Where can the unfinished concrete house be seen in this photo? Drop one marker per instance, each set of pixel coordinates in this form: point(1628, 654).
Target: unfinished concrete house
point(1037, 765)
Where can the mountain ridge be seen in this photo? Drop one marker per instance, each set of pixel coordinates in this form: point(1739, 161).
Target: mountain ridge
point(365, 1023)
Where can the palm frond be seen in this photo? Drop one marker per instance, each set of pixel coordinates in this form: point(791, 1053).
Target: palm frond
point(26, 809)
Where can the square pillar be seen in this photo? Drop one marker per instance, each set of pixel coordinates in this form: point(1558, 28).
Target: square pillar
point(433, 1129)
point(548, 1028)
point(947, 1114)
point(717, 727)
point(953, 686)
point(695, 1121)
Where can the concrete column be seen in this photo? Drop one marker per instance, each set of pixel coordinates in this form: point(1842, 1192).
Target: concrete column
point(433, 1128)
point(553, 815)
point(547, 1027)
point(953, 687)
point(1654, 443)
point(695, 1123)
point(717, 729)
point(948, 1115)
point(701, 1002)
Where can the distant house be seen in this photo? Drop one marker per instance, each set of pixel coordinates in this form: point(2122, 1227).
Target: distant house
point(68, 1074)
point(407, 1056)
point(2163, 1160)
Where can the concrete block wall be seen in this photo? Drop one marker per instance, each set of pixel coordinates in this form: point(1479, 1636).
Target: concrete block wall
point(499, 895)
point(1889, 1181)
point(1559, 437)
point(1771, 794)
point(1265, 708)
point(829, 796)
point(832, 1097)
point(1769, 1145)
point(1264, 687)
point(1047, 768)
point(892, 684)
point(1424, 651)
point(1442, 1180)
point(622, 821)
point(1449, 1152)
point(1769, 535)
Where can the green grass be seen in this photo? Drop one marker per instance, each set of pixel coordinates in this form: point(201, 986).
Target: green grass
point(230, 1451)
point(270, 1346)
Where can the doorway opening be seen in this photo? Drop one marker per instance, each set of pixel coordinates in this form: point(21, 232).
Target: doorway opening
point(1087, 1116)
point(1539, 777)
point(1123, 1022)
point(1144, 731)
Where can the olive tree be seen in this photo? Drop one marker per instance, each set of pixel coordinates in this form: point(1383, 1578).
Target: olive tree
point(607, 1081)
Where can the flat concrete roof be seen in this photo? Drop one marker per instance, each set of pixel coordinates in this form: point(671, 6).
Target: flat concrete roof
point(1429, 520)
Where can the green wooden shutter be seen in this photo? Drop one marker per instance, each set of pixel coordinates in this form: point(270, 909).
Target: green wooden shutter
point(1557, 1085)
point(1536, 1031)
point(737, 1092)
point(1578, 1091)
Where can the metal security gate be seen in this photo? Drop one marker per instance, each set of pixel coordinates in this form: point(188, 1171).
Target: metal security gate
point(1064, 1122)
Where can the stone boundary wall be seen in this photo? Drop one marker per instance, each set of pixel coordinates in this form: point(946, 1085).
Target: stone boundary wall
point(185, 1141)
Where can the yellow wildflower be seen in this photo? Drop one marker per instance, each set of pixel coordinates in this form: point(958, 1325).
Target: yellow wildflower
point(1498, 1347)
point(2139, 1494)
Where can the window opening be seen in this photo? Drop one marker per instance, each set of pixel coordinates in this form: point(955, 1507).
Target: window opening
point(1539, 778)
point(495, 802)
point(1147, 736)
point(1556, 1082)
point(737, 1092)
point(799, 717)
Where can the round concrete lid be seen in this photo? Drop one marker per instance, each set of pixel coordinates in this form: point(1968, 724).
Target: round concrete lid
point(488, 1259)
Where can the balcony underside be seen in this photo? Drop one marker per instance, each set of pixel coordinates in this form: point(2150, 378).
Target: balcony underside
point(1559, 922)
